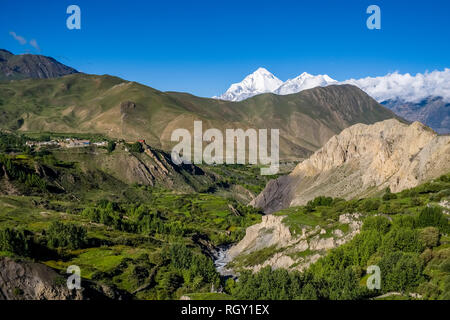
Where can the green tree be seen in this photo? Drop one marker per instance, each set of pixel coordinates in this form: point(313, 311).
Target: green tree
point(368, 205)
point(14, 240)
point(401, 271)
point(388, 195)
point(71, 236)
point(405, 240)
point(136, 147)
point(377, 223)
point(433, 217)
point(309, 292)
point(111, 146)
point(430, 236)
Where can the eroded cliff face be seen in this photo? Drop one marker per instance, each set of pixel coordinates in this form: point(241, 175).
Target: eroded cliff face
point(151, 167)
point(283, 249)
point(25, 280)
point(361, 160)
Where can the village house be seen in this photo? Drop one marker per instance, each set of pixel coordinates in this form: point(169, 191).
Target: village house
point(66, 143)
point(78, 143)
point(41, 143)
point(101, 144)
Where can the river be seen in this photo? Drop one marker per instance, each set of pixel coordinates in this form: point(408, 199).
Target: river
point(221, 259)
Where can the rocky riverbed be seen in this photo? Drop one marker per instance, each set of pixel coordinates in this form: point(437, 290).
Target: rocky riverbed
point(221, 259)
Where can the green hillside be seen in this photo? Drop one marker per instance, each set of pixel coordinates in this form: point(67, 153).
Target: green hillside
point(157, 243)
point(405, 234)
point(154, 241)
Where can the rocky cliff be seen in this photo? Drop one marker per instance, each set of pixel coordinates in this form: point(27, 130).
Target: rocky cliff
point(25, 280)
point(362, 160)
point(279, 247)
point(151, 167)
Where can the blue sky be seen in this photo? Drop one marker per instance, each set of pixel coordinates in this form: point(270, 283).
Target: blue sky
point(203, 46)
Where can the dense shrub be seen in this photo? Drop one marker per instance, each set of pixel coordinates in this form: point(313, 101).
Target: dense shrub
point(401, 271)
point(11, 142)
point(388, 195)
point(364, 246)
point(185, 267)
point(13, 240)
point(321, 201)
point(405, 240)
point(71, 236)
point(271, 284)
point(430, 236)
point(433, 217)
point(111, 146)
point(136, 147)
point(405, 221)
point(377, 223)
point(368, 205)
point(22, 174)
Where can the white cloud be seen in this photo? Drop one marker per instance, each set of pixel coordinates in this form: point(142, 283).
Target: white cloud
point(20, 39)
point(391, 86)
point(405, 86)
point(24, 41)
point(34, 44)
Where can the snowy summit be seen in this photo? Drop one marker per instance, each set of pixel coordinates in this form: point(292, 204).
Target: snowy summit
point(260, 81)
point(404, 87)
point(303, 82)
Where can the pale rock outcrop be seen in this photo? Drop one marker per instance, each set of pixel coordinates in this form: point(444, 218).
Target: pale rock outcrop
point(278, 260)
point(361, 160)
point(272, 232)
point(318, 243)
point(446, 205)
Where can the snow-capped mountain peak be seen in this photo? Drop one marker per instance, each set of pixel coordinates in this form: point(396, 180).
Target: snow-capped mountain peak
point(262, 71)
point(422, 97)
point(260, 81)
point(393, 86)
point(303, 82)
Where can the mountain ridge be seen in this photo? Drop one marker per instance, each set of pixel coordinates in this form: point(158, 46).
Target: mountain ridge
point(361, 160)
point(23, 66)
point(411, 97)
point(382, 88)
point(303, 82)
point(121, 109)
point(432, 111)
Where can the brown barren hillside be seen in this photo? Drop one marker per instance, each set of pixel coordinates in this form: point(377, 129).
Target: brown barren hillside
point(82, 103)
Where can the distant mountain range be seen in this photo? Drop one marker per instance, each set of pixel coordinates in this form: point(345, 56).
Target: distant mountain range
point(423, 97)
point(262, 81)
point(393, 86)
point(117, 108)
point(433, 111)
point(24, 66)
point(303, 82)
